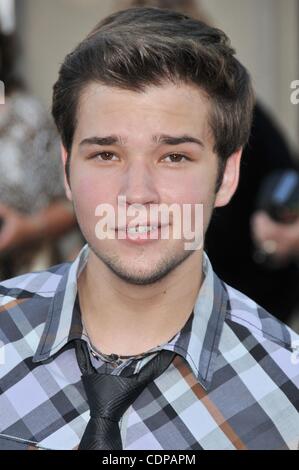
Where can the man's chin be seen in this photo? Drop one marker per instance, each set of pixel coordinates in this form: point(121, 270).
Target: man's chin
point(140, 279)
point(141, 272)
point(138, 275)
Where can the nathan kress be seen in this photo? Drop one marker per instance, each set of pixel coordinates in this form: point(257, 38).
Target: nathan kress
point(138, 344)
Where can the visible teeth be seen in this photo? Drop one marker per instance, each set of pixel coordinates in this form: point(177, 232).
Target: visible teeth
point(141, 229)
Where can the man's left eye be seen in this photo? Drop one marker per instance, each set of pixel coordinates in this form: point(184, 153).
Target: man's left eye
point(176, 157)
point(104, 156)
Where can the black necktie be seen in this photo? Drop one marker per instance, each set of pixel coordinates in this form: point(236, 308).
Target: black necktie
point(109, 396)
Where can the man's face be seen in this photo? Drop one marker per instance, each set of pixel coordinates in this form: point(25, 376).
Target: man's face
point(141, 161)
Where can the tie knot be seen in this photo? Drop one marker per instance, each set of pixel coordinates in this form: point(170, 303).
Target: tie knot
point(109, 396)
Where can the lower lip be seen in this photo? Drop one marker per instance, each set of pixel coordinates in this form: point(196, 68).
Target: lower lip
point(141, 238)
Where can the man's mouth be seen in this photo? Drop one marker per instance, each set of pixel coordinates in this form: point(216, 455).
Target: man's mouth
point(141, 232)
point(141, 228)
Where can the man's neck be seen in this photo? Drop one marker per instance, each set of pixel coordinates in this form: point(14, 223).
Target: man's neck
point(130, 319)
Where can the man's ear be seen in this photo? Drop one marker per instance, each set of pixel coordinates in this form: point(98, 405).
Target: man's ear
point(64, 156)
point(230, 179)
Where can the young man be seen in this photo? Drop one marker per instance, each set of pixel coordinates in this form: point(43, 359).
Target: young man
point(138, 344)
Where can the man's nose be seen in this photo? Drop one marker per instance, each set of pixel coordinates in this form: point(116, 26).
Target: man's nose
point(139, 184)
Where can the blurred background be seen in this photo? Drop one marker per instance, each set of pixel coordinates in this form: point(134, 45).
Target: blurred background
point(265, 34)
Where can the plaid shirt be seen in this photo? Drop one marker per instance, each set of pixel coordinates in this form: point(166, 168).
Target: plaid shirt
point(232, 385)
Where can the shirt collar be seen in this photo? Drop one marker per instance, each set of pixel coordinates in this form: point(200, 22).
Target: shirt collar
point(63, 322)
point(197, 342)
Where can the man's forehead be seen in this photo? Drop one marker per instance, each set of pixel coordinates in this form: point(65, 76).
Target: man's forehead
point(174, 90)
point(174, 110)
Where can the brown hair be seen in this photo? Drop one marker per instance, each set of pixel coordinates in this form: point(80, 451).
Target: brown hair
point(138, 47)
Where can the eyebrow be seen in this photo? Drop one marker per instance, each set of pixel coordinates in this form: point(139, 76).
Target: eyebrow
point(96, 140)
point(159, 139)
point(176, 140)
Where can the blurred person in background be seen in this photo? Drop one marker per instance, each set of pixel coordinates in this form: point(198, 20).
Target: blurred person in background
point(34, 212)
point(239, 229)
point(279, 240)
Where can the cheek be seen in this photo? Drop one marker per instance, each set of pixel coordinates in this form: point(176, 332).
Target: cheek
point(188, 189)
point(200, 193)
point(197, 192)
point(90, 191)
